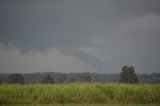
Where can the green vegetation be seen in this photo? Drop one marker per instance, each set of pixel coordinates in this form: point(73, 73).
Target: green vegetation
point(85, 93)
point(151, 78)
point(128, 75)
point(15, 78)
point(84, 78)
point(48, 79)
point(83, 105)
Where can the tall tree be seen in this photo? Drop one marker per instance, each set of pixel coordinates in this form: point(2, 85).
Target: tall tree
point(48, 79)
point(128, 75)
point(16, 78)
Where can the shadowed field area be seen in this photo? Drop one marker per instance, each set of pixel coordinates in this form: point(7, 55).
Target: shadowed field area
point(88, 105)
point(86, 94)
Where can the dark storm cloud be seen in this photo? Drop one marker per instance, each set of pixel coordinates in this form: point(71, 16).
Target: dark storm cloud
point(55, 23)
point(64, 23)
point(34, 25)
point(72, 24)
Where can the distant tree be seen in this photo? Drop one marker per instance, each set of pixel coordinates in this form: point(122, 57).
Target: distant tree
point(0, 82)
point(16, 78)
point(48, 79)
point(72, 79)
point(128, 75)
point(62, 79)
point(84, 78)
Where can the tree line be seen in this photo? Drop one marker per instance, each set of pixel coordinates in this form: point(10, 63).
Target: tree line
point(127, 75)
point(18, 78)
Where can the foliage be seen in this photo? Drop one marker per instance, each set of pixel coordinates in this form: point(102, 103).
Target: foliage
point(79, 93)
point(16, 78)
point(83, 104)
point(48, 79)
point(72, 79)
point(114, 78)
point(62, 79)
point(84, 78)
point(128, 75)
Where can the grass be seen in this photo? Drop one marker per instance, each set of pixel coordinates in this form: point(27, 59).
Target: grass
point(86, 105)
point(85, 94)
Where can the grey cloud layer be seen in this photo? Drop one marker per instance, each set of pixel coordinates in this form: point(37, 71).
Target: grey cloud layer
point(112, 27)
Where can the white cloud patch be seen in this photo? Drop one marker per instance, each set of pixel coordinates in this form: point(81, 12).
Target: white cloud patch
point(12, 60)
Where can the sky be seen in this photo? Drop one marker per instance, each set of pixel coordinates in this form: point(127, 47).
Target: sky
point(97, 36)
